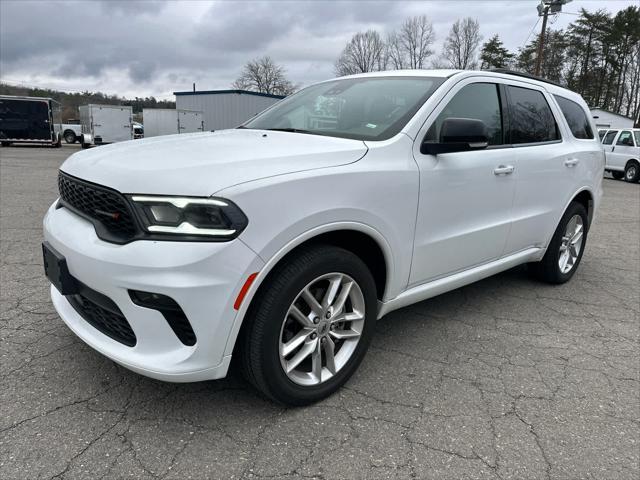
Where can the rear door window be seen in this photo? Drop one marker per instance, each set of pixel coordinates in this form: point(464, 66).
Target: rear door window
point(531, 118)
point(608, 138)
point(625, 139)
point(576, 118)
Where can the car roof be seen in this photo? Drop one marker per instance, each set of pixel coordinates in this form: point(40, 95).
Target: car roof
point(446, 73)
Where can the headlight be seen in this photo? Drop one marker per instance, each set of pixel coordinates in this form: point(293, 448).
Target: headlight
point(189, 217)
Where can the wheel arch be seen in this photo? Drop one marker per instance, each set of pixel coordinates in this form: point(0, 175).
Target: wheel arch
point(631, 160)
point(362, 240)
point(586, 199)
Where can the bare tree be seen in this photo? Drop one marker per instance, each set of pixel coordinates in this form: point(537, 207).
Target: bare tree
point(461, 46)
point(265, 76)
point(411, 45)
point(365, 52)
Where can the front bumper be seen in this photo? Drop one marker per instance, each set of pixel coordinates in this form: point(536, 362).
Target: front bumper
point(203, 278)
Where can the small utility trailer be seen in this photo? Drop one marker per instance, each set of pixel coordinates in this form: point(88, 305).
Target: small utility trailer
point(166, 121)
point(29, 120)
point(103, 124)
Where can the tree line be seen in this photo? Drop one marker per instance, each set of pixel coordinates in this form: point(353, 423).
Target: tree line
point(597, 55)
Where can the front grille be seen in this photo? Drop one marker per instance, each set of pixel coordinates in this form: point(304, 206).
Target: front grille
point(105, 317)
point(106, 208)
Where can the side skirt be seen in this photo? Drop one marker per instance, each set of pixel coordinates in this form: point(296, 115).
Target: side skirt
point(457, 280)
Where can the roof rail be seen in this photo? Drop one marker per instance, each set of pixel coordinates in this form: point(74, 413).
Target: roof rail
point(524, 75)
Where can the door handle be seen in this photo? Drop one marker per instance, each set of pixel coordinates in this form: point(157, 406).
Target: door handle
point(503, 170)
point(571, 162)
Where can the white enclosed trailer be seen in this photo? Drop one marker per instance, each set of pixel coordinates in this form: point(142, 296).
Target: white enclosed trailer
point(225, 108)
point(105, 124)
point(166, 121)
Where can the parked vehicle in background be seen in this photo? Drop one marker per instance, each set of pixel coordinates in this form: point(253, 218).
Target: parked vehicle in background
point(71, 132)
point(283, 241)
point(138, 130)
point(29, 120)
point(622, 151)
point(103, 124)
point(169, 121)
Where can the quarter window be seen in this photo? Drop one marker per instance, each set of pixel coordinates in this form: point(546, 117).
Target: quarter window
point(625, 139)
point(479, 101)
point(608, 138)
point(531, 117)
point(576, 118)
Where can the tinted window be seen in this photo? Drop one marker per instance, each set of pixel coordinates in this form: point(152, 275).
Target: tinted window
point(531, 117)
point(370, 108)
point(625, 139)
point(576, 118)
point(608, 139)
point(479, 101)
point(637, 135)
point(601, 134)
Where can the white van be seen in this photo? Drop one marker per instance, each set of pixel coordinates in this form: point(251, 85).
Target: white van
point(622, 150)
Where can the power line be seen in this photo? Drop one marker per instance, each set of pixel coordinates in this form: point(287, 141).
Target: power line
point(530, 33)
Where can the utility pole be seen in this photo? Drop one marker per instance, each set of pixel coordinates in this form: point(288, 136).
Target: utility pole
point(544, 8)
point(545, 15)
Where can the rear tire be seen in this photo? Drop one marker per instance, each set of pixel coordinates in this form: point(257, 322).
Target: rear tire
point(5, 144)
point(617, 175)
point(565, 250)
point(270, 327)
point(70, 137)
point(632, 171)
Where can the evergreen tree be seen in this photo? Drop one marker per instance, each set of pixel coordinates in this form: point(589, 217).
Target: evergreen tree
point(495, 55)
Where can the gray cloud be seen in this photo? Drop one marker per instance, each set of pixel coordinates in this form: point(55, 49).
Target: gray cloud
point(154, 48)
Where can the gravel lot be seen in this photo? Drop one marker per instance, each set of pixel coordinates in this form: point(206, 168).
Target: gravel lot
point(506, 378)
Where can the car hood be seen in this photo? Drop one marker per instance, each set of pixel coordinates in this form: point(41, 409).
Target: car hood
point(203, 163)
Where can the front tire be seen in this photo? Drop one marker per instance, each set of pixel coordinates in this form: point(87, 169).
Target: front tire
point(632, 172)
point(309, 326)
point(565, 250)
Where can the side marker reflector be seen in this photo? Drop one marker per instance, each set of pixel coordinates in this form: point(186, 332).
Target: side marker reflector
point(243, 291)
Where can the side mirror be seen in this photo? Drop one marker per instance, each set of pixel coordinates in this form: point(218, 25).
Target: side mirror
point(458, 135)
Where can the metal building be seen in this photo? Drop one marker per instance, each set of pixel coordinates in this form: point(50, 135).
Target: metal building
point(606, 119)
point(225, 108)
point(165, 121)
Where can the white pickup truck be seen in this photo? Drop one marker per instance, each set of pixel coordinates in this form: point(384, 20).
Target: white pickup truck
point(71, 132)
point(622, 149)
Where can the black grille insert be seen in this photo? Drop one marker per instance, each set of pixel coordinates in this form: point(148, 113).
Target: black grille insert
point(106, 208)
point(103, 314)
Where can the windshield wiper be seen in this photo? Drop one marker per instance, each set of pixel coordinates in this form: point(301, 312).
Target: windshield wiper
point(293, 130)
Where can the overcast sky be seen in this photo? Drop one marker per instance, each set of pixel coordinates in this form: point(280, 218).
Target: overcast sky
point(152, 47)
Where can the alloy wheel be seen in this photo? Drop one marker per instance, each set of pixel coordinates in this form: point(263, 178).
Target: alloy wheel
point(631, 173)
point(321, 329)
point(571, 244)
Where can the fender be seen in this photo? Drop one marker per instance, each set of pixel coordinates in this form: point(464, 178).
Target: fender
point(590, 214)
point(273, 261)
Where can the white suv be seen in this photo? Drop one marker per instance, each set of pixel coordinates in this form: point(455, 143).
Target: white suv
point(283, 241)
point(622, 150)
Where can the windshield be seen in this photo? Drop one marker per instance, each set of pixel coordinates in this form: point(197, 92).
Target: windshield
point(636, 133)
point(370, 108)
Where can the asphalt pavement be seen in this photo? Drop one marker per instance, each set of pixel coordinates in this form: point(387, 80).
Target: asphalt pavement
point(504, 379)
